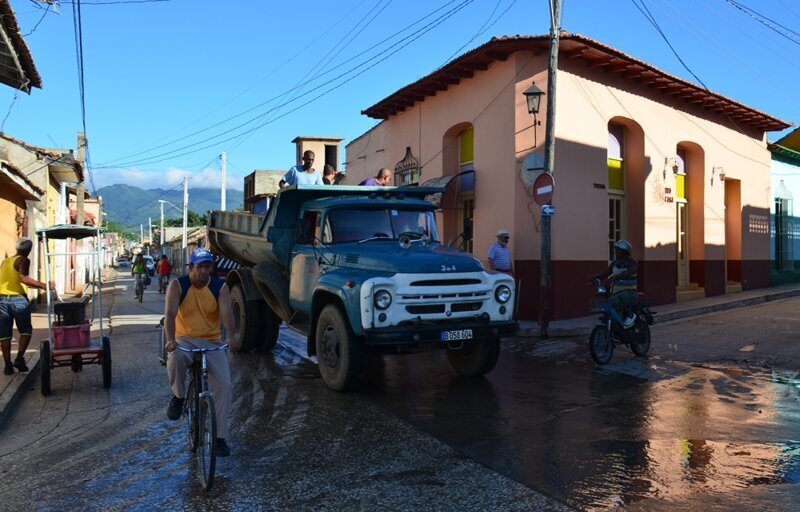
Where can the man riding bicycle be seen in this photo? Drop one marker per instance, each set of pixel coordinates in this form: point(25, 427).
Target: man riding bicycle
point(194, 306)
point(164, 269)
point(138, 271)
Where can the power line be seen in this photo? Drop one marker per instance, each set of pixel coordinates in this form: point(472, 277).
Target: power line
point(425, 28)
point(767, 22)
point(301, 84)
point(274, 70)
point(394, 49)
point(649, 17)
point(78, 26)
point(47, 10)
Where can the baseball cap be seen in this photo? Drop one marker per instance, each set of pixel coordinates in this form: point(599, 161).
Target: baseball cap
point(502, 232)
point(200, 255)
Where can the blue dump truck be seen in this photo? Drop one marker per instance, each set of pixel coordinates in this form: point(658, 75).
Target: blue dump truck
point(359, 270)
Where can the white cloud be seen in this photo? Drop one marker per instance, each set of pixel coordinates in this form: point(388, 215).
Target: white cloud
point(167, 179)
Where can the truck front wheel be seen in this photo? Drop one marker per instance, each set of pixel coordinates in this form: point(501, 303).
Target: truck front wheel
point(245, 320)
point(475, 358)
point(340, 356)
point(270, 327)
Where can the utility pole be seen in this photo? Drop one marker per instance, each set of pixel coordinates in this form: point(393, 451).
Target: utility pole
point(141, 235)
point(549, 159)
point(149, 233)
point(222, 165)
point(184, 255)
point(161, 245)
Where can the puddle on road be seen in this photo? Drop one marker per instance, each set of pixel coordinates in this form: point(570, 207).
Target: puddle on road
point(594, 438)
point(744, 415)
point(676, 469)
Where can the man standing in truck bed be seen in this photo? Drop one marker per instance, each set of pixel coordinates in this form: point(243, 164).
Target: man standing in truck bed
point(302, 174)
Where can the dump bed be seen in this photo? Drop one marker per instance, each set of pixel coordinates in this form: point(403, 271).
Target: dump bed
point(251, 239)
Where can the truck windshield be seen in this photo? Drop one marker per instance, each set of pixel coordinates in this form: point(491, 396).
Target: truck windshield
point(344, 226)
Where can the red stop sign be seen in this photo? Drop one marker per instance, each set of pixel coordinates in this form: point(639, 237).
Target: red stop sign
point(543, 188)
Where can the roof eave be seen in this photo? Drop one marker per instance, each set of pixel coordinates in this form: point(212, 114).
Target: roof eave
point(573, 46)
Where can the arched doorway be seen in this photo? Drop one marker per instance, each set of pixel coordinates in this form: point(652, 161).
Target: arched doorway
point(458, 157)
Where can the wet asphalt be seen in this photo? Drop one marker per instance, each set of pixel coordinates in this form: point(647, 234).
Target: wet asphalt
point(546, 430)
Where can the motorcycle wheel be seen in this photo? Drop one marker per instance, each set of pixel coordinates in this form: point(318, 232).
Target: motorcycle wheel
point(642, 335)
point(600, 345)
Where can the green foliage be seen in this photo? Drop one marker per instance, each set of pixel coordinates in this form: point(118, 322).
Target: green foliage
point(193, 219)
point(115, 228)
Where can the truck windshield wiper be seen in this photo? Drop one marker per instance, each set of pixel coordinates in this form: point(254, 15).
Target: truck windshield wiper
point(376, 236)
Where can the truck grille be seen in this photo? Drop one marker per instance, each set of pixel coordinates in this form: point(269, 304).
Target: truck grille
point(427, 309)
point(446, 282)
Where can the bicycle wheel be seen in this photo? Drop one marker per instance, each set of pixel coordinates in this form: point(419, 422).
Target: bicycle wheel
point(208, 440)
point(190, 411)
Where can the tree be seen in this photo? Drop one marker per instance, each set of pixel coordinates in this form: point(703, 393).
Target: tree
point(193, 219)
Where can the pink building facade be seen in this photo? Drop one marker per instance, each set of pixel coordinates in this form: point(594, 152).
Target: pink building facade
point(681, 172)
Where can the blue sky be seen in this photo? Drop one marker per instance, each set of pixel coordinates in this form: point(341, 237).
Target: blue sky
point(159, 71)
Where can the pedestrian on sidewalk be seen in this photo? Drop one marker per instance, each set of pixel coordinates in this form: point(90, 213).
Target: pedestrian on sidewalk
point(499, 255)
point(193, 308)
point(14, 304)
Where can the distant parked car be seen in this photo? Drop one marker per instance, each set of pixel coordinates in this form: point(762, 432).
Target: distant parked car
point(122, 262)
point(149, 264)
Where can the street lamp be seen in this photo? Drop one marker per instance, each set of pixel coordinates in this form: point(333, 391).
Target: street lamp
point(533, 95)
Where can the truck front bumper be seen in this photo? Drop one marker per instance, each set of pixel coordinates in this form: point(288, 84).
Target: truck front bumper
point(427, 333)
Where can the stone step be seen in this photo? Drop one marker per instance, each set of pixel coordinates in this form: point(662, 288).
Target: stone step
point(690, 292)
point(731, 287)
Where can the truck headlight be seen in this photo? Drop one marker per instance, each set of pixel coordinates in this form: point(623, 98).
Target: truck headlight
point(383, 299)
point(502, 294)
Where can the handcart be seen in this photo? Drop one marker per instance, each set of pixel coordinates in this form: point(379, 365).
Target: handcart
point(69, 341)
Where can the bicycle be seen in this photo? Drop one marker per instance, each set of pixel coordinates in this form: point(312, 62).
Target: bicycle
point(198, 409)
point(163, 282)
point(138, 288)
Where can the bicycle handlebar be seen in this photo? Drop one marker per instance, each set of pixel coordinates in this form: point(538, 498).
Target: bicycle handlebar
point(221, 347)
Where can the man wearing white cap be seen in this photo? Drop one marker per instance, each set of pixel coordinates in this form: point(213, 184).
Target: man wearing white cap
point(499, 256)
point(14, 305)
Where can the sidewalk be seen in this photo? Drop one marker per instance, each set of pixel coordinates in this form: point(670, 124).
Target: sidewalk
point(12, 386)
point(666, 312)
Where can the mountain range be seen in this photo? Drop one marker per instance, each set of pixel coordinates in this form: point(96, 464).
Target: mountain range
point(128, 206)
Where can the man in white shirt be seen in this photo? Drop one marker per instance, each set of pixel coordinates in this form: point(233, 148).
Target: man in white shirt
point(302, 174)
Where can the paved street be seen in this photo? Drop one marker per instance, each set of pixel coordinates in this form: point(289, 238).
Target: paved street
point(708, 422)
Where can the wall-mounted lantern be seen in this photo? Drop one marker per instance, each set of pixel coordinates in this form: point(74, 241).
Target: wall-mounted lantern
point(533, 96)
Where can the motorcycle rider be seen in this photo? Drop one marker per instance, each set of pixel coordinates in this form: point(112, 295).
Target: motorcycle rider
point(621, 276)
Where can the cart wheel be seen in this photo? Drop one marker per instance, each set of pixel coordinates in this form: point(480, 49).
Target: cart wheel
point(106, 362)
point(44, 362)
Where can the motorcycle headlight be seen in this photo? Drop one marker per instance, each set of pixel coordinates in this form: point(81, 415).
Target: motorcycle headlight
point(383, 299)
point(502, 294)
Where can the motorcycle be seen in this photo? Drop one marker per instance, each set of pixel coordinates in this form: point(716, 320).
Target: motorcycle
point(610, 332)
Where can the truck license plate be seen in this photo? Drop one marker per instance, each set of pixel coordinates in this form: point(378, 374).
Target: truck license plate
point(463, 334)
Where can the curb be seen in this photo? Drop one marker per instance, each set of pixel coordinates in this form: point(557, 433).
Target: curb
point(568, 332)
point(19, 383)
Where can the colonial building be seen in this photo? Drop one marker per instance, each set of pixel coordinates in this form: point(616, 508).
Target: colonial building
point(785, 232)
point(681, 172)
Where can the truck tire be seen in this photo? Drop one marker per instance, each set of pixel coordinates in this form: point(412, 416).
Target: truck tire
point(246, 321)
point(340, 356)
point(270, 327)
point(475, 358)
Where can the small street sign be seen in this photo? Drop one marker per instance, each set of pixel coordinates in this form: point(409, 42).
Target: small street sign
point(543, 188)
point(548, 210)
